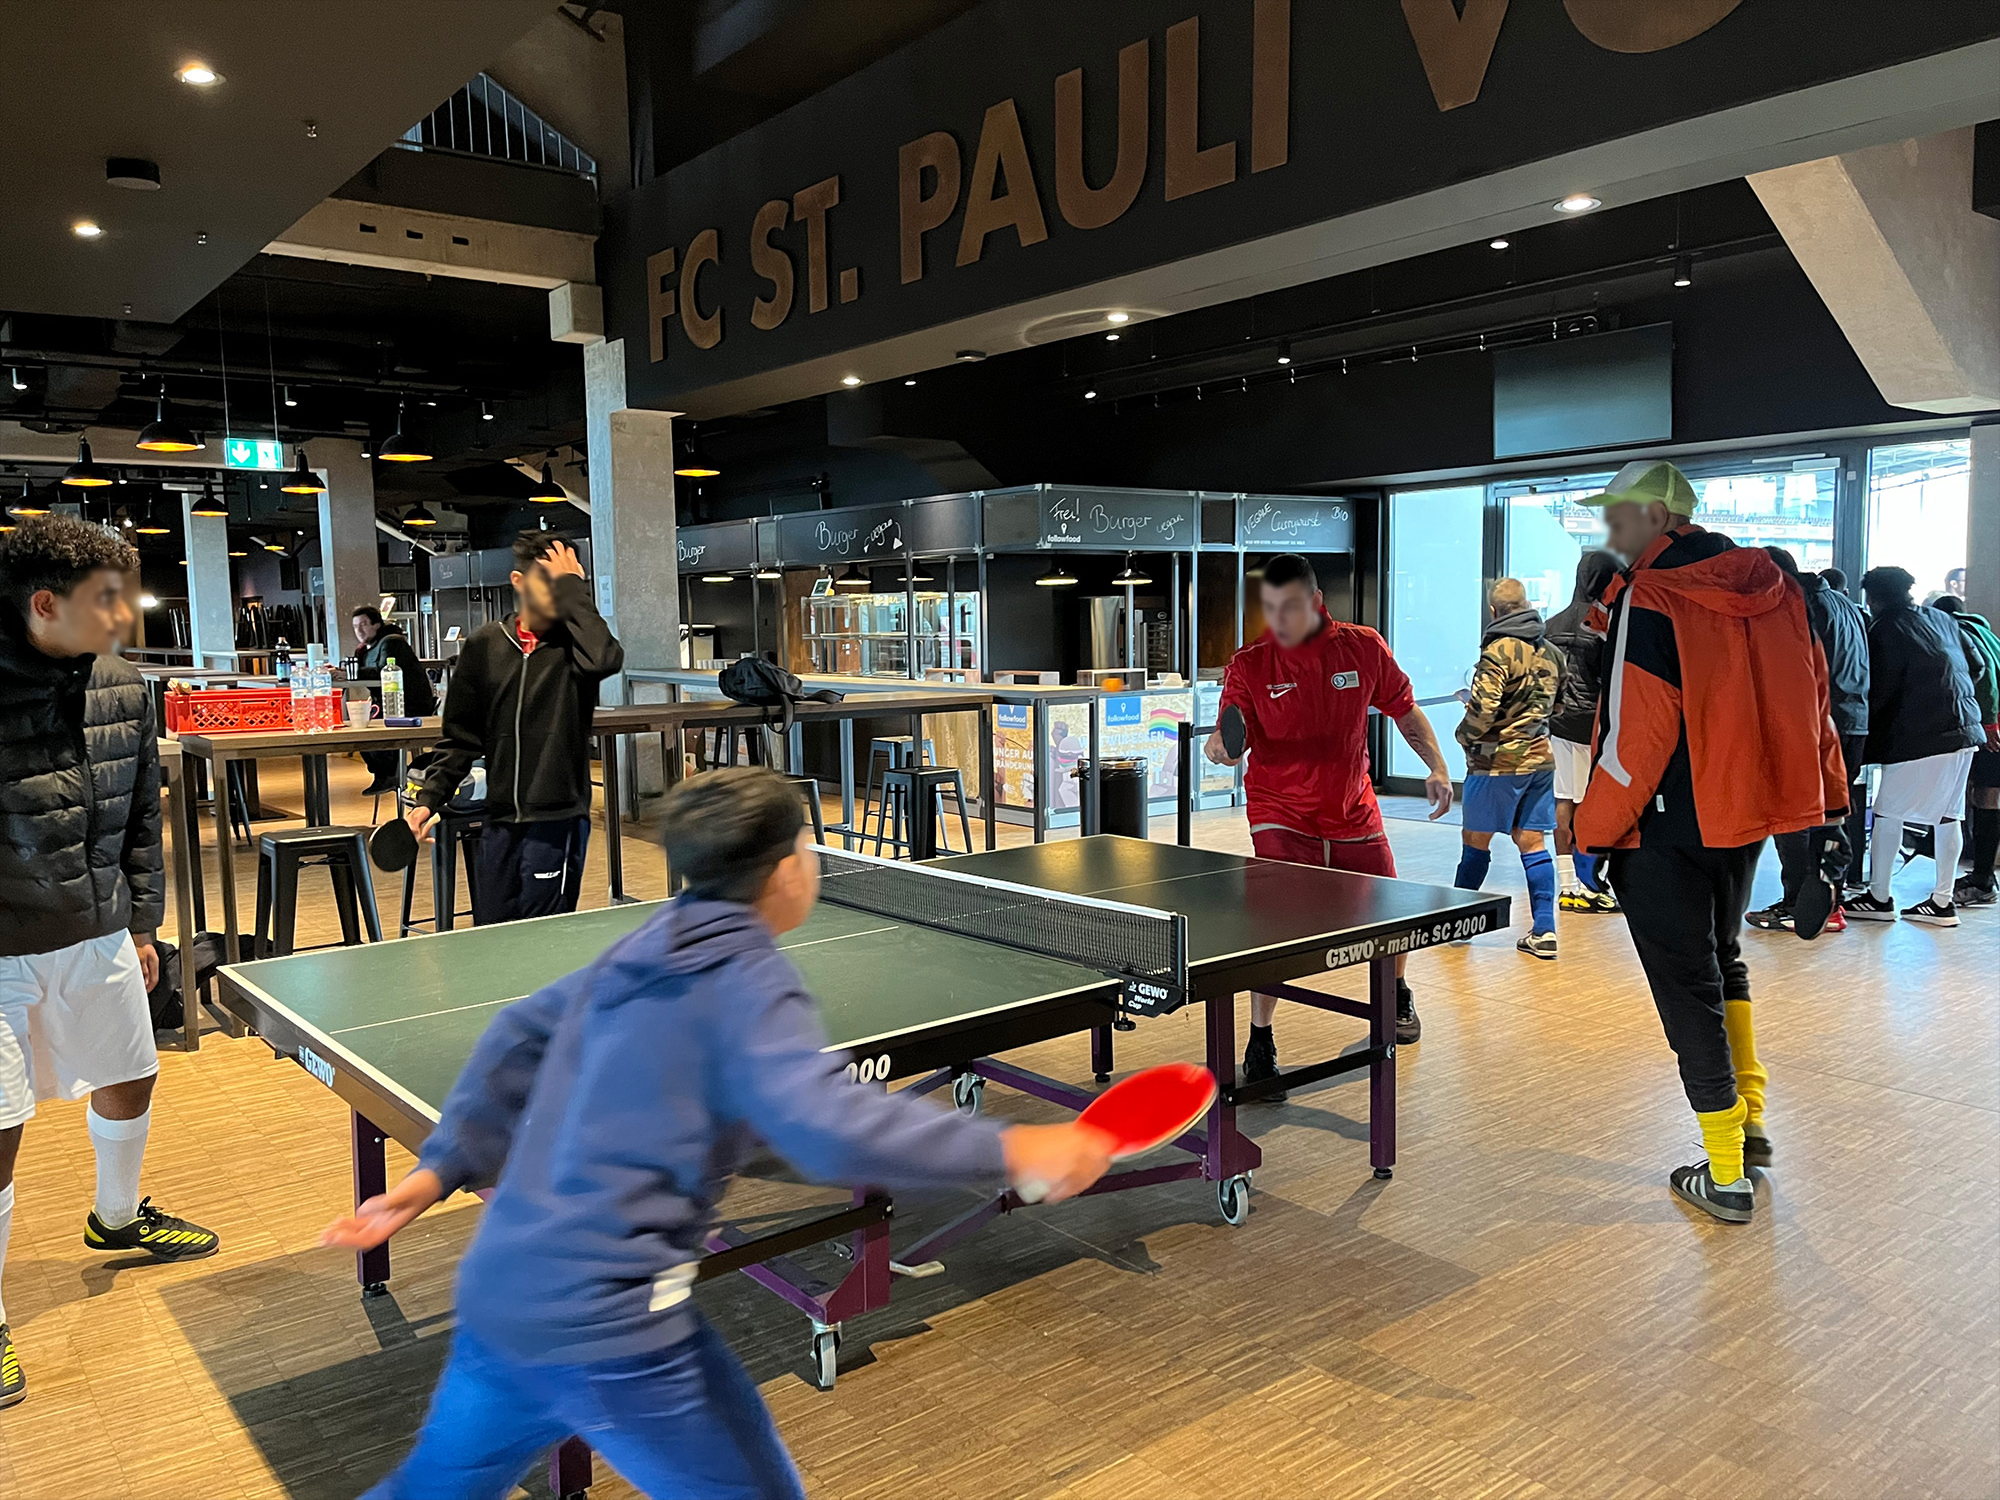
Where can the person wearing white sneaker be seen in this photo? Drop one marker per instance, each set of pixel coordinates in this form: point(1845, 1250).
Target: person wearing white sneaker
point(1923, 725)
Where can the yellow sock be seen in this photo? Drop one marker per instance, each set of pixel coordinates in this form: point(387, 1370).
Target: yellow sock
point(1751, 1078)
point(1722, 1136)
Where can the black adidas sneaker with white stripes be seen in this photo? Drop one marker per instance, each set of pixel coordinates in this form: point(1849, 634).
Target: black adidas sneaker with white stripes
point(1732, 1202)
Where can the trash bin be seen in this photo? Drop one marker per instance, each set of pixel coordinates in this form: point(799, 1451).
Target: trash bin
point(1123, 784)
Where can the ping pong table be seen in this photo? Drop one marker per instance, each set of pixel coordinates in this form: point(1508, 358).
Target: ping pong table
point(927, 972)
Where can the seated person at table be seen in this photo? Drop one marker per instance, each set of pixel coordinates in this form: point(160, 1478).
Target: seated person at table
point(523, 696)
point(611, 1108)
point(381, 643)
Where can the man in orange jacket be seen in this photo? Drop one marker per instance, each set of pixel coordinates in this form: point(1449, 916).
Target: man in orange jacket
point(1712, 734)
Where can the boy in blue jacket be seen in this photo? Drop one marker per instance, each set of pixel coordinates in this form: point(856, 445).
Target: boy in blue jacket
point(610, 1109)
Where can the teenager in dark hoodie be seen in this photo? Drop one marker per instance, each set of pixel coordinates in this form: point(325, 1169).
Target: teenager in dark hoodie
point(1572, 722)
point(611, 1108)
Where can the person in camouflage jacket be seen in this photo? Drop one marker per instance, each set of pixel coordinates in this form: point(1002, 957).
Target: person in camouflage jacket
point(1509, 766)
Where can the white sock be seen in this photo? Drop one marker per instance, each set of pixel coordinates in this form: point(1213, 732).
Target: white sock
point(6, 1229)
point(121, 1150)
point(1566, 881)
point(1883, 846)
point(1949, 844)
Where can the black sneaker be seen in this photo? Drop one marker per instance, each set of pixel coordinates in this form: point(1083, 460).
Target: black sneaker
point(1776, 917)
point(1733, 1203)
point(1932, 912)
point(1968, 892)
point(1756, 1147)
point(1260, 1061)
point(160, 1235)
point(1408, 1028)
point(13, 1384)
point(1865, 908)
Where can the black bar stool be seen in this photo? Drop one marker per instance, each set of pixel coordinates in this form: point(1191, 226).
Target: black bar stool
point(897, 751)
point(808, 787)
point(280, 857)
point(918, 795)
point(455, 827)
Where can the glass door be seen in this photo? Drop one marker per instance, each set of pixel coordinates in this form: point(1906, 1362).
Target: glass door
point(1436, 592)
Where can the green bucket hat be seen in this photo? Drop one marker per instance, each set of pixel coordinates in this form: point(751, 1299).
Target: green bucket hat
point(1648, 482)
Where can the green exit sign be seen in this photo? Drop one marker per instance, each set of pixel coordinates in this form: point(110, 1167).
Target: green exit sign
point(253, 453)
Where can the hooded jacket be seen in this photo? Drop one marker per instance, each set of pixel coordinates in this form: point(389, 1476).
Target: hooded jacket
point(79, 798)
point(1505, 731)
point(528, 712)
point(389, 644)
point(1714, 728)
point(1920, 697)
point(611, 1108)
point(1574, 716)
point(1982, 661)
point(1841, 629)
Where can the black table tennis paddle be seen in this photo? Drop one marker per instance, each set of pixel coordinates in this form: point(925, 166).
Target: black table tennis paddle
point(1235, 733)
point(392, 846)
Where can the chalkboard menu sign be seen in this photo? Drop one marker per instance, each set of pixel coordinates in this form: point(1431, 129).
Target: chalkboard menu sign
point(1282, 523)
point(731, 547)
point(879, 532)
point(1107, 520)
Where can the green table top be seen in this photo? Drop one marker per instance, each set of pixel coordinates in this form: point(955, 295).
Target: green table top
point(411, 1010)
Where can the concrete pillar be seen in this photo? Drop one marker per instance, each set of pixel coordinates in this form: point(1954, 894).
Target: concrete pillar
point(211, 600)
point(632, 532)
point(347, 551)
point(1982, 520)
point(1907, 267)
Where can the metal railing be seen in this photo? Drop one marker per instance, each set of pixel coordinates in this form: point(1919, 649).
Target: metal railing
point(483, 119)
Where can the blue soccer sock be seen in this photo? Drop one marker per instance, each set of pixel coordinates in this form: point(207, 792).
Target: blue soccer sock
point(1586, 871)
point(1540, 866)
point(1472, 865)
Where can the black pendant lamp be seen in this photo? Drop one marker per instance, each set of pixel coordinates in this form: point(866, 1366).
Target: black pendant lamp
point(166, 433)
point(302, 480)
point(149, 523)
point(86, 473)
point(1130, 577)
point(419, 515)
point(694, 462)
point(28, 506)
point(1057, 577)
point(545, 491)
point(400, 449)
point(208, 505)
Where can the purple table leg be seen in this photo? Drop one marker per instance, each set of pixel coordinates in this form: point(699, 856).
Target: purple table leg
point(371, 1176)
point(1382, 1072)
point(569, 1469)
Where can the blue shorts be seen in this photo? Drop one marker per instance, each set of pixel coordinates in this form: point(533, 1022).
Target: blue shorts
point(1510, 804)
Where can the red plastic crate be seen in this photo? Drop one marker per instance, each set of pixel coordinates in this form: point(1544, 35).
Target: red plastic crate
point(230, 711)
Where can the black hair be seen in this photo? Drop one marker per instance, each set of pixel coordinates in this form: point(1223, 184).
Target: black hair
point(725, 831)
point(1951, 604)
point(1787, 564)
point(57, 553)
point(1287, 568)
point(1890, 585)
point(366, 612)
point(1835, 579)
point(530, 547)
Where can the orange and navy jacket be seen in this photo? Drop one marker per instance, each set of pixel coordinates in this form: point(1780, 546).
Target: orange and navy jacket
point(1712, 728)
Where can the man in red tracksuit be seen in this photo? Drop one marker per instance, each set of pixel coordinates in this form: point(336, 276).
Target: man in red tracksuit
point(1305, 687)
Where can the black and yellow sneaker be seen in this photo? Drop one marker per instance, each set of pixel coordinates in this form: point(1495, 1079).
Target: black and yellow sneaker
point(160, 1235)
point(13, 1384)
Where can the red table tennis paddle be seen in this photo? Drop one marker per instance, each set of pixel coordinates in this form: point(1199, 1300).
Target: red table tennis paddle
point(1235, 733)
point(1146, 1110)
point(392, 846)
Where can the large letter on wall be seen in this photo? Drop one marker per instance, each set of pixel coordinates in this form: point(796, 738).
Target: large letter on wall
point(1190, 169)
point(773, 264)
point(1456, 48)
point(1645, 25)
point(702, 332)
point(1271, 85)
point(936, 153)
point(1002, 151)
point(1082, 205)
point(660, 302)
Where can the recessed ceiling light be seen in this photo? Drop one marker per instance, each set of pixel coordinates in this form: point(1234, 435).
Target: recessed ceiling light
point(84, 229)
point(1117, 317)
point(1090, 395)
point(201, 75)
point(1499, 244)
point(850, 380)
point(909, 382)
point(1110, 338)
point(1578, 203)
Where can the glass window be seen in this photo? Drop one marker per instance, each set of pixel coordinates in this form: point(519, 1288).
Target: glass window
point(1917, 498)
point(1435, 589)
point(1789, 507)
point(1547, 531)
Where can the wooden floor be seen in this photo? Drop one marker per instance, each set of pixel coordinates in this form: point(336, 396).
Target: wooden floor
point(1524, 1311)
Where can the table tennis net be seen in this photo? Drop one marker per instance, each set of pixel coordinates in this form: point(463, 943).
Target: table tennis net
point(1103, 935)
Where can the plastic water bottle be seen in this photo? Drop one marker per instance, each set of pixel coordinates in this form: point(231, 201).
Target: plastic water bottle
point(330, 697)
point(392, 691)
point(301, 701)
point(284, 655)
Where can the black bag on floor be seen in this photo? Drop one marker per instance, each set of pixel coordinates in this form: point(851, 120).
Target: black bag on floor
point(766, 685)
point(164, 998)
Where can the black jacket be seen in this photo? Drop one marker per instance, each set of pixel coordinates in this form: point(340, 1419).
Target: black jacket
point(391, 645)
point(529, 715)
point(79, 798)
point(1920, 699)
point(1841, 628)
point(1582, 650)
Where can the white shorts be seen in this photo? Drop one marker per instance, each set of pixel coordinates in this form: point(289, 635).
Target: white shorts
point(1931, 790)
point(78, 1017)
point(1572, 769)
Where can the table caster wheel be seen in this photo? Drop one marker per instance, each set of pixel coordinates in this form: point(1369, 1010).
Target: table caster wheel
point(1232, 1196)
point(1383, 1174)
point(375, 1289)
point(826, 1357)
point(968, 1093)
